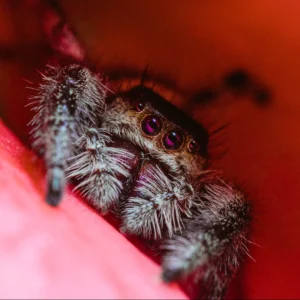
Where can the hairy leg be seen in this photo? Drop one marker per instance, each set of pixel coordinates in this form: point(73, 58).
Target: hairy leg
point(212, 243)
point(67, 97)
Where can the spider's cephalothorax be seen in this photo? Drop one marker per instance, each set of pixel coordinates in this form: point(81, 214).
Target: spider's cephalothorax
point(135, 153)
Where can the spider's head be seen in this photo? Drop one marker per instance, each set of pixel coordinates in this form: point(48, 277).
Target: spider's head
point(161, 131)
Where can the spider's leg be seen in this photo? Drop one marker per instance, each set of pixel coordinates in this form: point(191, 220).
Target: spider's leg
point(213, 242)
point(68, 97)
point(102, 166)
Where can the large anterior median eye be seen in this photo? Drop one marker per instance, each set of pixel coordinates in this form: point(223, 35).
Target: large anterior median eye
point(152, 125)
point(173, 139)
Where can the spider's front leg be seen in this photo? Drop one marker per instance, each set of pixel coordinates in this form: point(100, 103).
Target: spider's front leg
point(68, 98)
point(213, 242)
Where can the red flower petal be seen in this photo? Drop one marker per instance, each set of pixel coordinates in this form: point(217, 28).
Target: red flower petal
point(69, 251)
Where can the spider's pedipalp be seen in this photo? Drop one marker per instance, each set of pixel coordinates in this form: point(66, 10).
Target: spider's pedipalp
point(67, 96)
point(213, 242)
point(101, 168)
point(158, 203)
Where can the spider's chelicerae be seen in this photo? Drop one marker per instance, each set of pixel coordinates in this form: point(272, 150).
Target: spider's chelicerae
point(138, 155)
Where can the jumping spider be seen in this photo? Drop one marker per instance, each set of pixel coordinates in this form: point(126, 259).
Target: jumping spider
point(136, 154)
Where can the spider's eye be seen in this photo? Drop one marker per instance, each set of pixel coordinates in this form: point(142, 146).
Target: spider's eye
point(139, 97)
point(194, 146)
point(139, 106)
point(151, 125)
point(173, 140)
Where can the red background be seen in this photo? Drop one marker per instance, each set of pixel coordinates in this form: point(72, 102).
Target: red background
point(262, 36)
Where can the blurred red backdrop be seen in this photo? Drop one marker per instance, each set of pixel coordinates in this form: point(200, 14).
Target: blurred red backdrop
point(194, 45)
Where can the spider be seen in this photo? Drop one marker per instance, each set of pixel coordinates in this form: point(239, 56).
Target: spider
point(134, 154)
